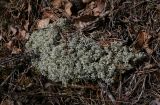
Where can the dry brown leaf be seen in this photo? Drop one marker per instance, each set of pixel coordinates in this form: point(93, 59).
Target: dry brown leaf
point(142, 42)
point(68, 6)
point(24, 35)
point(141, 39)
point(100, 6)
point(13, 48)
point(57, 3)
point(9, 45)
point(16, 50)
point(83, 21)
point(43, 23)
point(49, 14)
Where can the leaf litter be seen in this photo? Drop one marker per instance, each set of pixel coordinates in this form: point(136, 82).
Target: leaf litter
point(134, 22)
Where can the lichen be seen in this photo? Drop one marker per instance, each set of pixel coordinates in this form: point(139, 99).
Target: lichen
point(79, 57)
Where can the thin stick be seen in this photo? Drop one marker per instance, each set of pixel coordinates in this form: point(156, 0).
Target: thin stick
point(106, 90)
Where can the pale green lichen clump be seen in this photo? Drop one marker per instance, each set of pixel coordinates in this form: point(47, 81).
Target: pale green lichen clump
point(78, 58)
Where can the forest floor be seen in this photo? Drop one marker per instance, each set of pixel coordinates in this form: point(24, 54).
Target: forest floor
point(135, 22)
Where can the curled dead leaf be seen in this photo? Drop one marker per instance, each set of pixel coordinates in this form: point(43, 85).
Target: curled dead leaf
point(68, 6)
point(56, 3)
point(142, 41)
point(43, 23)
point(100, 6)
point(9, 45)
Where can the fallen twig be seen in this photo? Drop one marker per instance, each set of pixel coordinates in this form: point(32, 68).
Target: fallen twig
point(107, 92)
